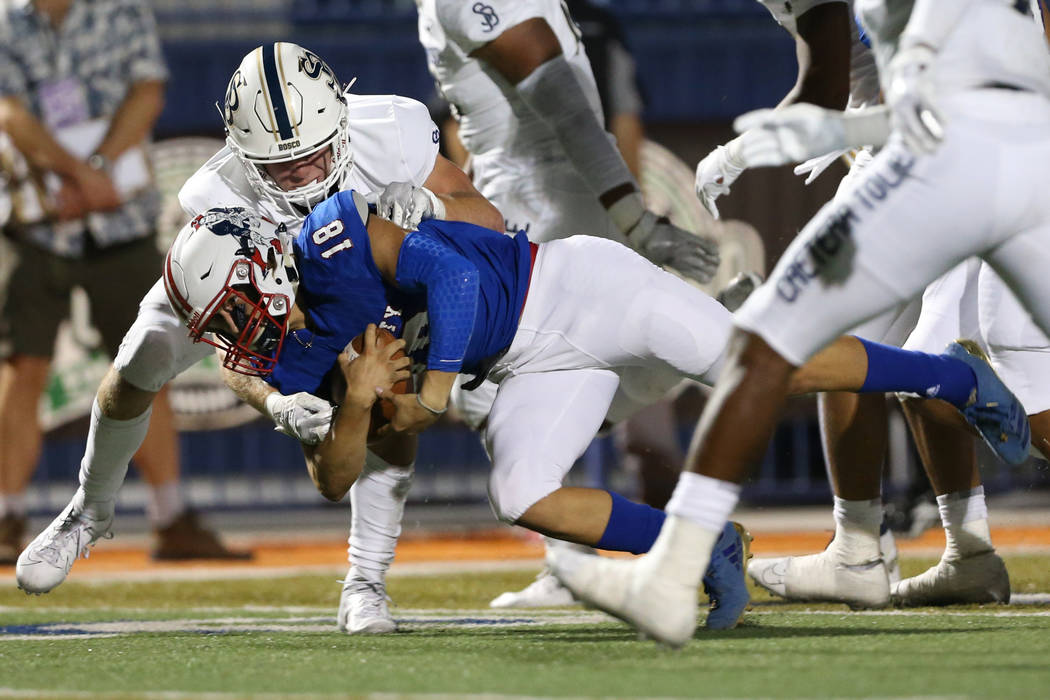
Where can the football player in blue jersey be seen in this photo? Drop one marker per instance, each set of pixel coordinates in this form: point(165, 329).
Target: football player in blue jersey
point(556, 325)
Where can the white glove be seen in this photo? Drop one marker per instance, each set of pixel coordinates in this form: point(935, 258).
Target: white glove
point(791, 134)
point(714, 174)
point(911, 99)
point(406, 205)
point(662, 242)
point(813, 167)
point(302, 416)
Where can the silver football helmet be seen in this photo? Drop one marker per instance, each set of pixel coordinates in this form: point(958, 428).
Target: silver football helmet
point(284, 103)
point(231, 276)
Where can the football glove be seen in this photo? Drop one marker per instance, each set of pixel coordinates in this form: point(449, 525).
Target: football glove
point(911, 99)
point(303, 416)
point(663, 243)
point(813, 167)
point(792, 134)
point(406, 205)
point(714, 175)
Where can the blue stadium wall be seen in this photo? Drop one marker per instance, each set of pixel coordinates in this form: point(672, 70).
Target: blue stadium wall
point(699, 61)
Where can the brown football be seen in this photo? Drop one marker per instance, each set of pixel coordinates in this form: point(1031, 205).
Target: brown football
point(382, 409)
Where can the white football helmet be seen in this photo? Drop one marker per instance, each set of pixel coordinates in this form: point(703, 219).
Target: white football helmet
point(231, 276)
point(283, 103)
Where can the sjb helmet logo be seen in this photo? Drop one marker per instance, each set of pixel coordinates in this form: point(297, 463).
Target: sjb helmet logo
point(313, 67)
point(233, 100)
point(284, 103)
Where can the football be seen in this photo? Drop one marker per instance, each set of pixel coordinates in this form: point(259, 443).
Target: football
point(382, 409)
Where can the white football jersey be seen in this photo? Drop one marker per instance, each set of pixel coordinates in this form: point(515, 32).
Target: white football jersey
point(490, 112)
point(863, 74)
point(392, 139)
point(994, 43)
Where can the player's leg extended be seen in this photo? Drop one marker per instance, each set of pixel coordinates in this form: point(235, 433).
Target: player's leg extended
point(970, 570)
point(155, 349)
point(1020, 353)
point(377, 505)
point(851, 569)
point(836, 274)
point(947, 451)
point(539, 426)
point(854, 438)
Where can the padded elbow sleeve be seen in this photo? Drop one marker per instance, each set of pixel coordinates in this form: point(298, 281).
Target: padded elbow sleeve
point(553, 92)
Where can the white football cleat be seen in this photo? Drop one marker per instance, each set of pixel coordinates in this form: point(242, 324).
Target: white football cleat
point(824, 577)
point(657, 592)
point(979, 578)
point(46, 562)
point(363, 608)
point(545, 592)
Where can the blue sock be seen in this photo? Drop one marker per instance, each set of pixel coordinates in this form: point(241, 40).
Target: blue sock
point(932, 376)
point(633, 527)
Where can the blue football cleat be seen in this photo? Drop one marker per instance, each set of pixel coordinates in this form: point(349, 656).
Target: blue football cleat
point(993, 409)
point(724, 582)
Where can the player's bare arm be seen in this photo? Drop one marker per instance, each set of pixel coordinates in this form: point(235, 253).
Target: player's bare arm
point(822, 44)
point(521, 49)
point(823, 51)
point(335, 464)
point(462, 200)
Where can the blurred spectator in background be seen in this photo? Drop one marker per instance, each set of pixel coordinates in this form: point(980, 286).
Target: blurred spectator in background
point(81, 85)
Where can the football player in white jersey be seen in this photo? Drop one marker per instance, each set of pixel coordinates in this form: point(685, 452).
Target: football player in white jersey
point(968, 84)
point(854, 426)
point(521, 87)
point(854, 430)
point(835, 70)
point(293, 137)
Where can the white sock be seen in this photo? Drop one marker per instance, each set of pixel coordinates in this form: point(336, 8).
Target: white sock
point(165, 504)
point(964, 515)
point(13, 504)
point(705, 501)
point(857, 528)
point(110, 445)
point(683, 549)
point(377, 503)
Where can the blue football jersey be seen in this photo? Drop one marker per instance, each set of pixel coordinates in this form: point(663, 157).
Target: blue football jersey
point(341, 291)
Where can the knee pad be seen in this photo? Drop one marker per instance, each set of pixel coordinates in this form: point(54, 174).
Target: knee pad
point(146, 358)
point(515, 489)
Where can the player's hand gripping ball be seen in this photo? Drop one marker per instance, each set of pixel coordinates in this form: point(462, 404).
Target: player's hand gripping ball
point(388, 368)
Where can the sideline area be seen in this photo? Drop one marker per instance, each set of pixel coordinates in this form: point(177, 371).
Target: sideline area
point(425, 550)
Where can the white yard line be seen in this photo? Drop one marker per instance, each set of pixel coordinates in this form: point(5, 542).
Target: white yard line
point(173, 695)
point(215, 573)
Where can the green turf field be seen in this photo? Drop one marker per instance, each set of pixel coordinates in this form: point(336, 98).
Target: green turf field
point(273, 637)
